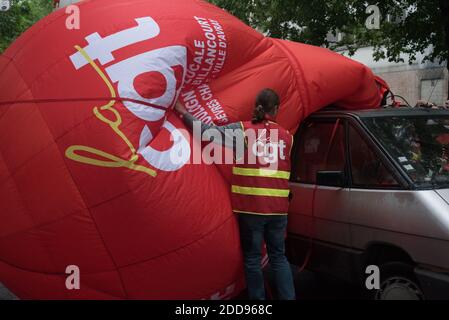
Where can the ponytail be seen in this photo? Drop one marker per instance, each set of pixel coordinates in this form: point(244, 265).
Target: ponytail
point(259, 114)
point(266, 103)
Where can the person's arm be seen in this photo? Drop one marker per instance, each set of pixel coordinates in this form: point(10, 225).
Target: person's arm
point(228, 133)
point(223, 130)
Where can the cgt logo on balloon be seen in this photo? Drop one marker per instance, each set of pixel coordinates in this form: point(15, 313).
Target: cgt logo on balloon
point(122, 74)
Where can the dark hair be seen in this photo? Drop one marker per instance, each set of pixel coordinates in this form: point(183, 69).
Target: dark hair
point(266, 102)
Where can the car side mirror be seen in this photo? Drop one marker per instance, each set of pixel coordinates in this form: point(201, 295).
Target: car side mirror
point(330, 178)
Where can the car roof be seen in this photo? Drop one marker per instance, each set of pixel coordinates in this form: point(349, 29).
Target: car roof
point(382, 112)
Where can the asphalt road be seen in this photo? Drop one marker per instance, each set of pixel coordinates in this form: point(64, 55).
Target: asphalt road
point(5, 294)
point(309, 286)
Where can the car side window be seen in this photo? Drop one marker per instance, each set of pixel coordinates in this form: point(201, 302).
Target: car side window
point(367, 168)
point(314, 153)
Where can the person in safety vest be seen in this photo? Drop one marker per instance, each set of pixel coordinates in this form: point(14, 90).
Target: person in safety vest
point(260, 189)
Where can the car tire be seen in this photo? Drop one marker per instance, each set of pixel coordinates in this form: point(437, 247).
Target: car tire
point(398, 282)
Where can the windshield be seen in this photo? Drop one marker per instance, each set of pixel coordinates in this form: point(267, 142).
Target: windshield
point(419, 144)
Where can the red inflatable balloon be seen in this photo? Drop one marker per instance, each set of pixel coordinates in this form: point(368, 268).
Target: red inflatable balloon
point(86, 181)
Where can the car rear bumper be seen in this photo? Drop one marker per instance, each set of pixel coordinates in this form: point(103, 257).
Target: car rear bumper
point(435, 285)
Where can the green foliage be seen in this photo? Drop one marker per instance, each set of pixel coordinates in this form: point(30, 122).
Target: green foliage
point(423, 23)
point(22, 15)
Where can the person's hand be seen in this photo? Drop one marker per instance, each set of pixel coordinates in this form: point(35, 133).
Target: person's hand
point(179, 107)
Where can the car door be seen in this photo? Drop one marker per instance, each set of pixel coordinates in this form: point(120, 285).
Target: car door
point(318, 211)
point(376, 193)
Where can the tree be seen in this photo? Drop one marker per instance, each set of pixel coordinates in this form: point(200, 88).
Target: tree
point(22, 15)
point(406, 26)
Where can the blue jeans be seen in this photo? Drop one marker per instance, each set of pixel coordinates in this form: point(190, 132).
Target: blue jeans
point(254, 229)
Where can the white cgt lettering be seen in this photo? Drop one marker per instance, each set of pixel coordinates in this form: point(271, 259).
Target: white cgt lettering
point(102, 48)
point(160, 60)
point(169, 160)
point(123, 73)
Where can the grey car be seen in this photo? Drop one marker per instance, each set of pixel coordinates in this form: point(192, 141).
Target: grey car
point(371, 188)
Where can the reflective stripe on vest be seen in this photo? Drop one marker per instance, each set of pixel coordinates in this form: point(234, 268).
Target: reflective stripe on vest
point(252, 191)
point(260, 172)
point(256, 187)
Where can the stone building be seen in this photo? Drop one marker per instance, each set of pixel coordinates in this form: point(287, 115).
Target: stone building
point(416, 81)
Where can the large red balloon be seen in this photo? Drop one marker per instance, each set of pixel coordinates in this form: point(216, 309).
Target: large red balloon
point(85, 173)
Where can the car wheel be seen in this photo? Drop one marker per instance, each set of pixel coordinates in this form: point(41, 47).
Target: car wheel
point(398, 282)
